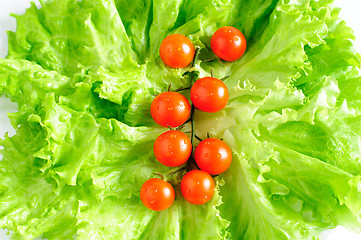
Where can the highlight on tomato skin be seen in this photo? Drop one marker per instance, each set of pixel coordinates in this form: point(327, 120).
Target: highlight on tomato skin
point(197, 187)
point(213, 156)
point(176, 51)
point(170, 109)
point(228, 43)
point(209, 94)
point(157, 194)
point(172, 148)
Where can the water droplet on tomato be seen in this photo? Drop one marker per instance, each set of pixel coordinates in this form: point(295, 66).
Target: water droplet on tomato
point(157, 107)
point(219, 155)
point(205, 155)
point(170, 108)
point(185, 141)
point(152, 202)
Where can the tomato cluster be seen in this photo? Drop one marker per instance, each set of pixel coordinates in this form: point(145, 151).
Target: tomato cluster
point(171, 109)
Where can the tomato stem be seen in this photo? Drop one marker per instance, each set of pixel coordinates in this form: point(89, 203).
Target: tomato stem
point(171, 182)
point(191, 164)
point(182, 89)
point(196, 52)
point(210, 59)
point(176, 171)
point(192, 125)
point(224, 78)
point(159, 175)
point(198, 138)
point(180, 127)
point(208, 48)
point(192, 107)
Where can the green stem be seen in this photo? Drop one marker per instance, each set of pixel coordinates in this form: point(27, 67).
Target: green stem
point(192, 107)
point(182, 89)
point(196, 52)
point(159, 175)
point(192, 125)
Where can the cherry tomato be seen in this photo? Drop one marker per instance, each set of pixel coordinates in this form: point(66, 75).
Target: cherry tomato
point(209, 94)
point(172, 148)
point(213, 156)
point(157, 194)
point(176, 51)
point(228, 43)
point(197, 187)
point(170, 109)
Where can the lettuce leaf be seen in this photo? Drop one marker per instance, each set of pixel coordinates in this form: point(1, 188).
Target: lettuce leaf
point(71, 36)
point(30, 207)
point(84, 73)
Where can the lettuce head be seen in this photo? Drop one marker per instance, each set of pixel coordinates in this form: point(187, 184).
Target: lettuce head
point(84, 73)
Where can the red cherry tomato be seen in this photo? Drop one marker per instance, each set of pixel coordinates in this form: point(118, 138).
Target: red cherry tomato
point(197, 187)
point(228, 43)
point(157, 194)
point(176, 51)
point(170, 109)
point(172, 148)
point(213, 156)
point(209, 94)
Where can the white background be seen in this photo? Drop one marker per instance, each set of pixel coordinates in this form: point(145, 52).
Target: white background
point(351, 12)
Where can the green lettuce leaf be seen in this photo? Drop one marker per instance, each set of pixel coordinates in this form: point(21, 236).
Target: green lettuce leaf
point(30, 208)
point(181, 221)
point(84, 74)
point(71, 36)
